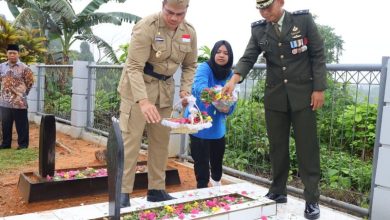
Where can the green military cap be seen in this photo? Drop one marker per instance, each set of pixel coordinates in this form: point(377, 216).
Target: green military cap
point(179, 2)
point(263, 3)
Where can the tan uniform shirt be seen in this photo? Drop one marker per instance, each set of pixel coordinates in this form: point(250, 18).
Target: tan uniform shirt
point(166, 50)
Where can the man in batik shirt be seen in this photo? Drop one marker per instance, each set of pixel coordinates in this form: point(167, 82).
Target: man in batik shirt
point(16, 81)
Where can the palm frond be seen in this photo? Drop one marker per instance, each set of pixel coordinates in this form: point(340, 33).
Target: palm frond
point(95, 19)
point(26, 17)
point(25, 4)
point(53, 27)
point(61, 10)
point(13, 9)
point(92, 7)
point(125, 17)
point(101, 44)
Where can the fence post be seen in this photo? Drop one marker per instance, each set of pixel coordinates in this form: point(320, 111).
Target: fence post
point(177, 141)
point(91, 95)
point(35, 98)
point(380, 187)
point(78, 117)
point(32, 97)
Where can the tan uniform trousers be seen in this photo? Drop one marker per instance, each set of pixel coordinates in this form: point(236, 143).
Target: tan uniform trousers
point(158, 140)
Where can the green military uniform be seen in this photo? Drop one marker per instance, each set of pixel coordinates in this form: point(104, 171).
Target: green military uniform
point(165, 50)
point(295, 68)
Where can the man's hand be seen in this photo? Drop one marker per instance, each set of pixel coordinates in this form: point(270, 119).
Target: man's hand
point(229, 87)
point(182, 95)
point(150, 111)
point(317, 99)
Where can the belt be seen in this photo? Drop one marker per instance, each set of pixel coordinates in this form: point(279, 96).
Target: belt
point(148, 70)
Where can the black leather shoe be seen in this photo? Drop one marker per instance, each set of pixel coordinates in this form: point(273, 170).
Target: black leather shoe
point(312, 211)
point(4, 147)
point(155, 195)
point(278, 198)
point(125, 200)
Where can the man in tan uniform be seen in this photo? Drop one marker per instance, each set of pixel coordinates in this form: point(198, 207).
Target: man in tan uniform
point(160, 43)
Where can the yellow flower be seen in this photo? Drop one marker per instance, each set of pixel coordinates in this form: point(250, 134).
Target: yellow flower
point(80, 175)
point(218, 96)
point(215, 209)
point(169, 209)
point(209, 118)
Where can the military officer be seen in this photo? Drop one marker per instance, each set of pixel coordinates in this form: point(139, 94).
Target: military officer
point(160, 43)
point(295, 84)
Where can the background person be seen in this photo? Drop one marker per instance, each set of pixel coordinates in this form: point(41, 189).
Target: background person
point(16, 81)
point(294, 89)
point(160, 43)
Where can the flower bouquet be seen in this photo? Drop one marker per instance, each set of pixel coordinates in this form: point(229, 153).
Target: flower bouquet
point(77, 174)
point(189, 210)
point(192, 123)
point(214, 96)
point(88, 172)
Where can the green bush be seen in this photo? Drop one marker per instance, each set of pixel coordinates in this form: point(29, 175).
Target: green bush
point(246, 134)
point(346, 133)
point(359, 122)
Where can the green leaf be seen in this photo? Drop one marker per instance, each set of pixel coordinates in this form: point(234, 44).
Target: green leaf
point(92, 7)
point(101, 44)
point(13, 9)
point(61, 10)
point(125, 17)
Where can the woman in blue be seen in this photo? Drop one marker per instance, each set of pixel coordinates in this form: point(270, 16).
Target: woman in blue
point(208, 145)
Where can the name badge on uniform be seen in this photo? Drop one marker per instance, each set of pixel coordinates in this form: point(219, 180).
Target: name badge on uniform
point(186, 38)
point(158, 38)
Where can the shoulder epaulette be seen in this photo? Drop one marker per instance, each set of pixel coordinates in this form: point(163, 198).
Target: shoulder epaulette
point(149, 20)
point(259, 22)
point(190, 25)
point(301, 12)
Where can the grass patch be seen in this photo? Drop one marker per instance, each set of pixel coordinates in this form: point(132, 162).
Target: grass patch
point(11, 158)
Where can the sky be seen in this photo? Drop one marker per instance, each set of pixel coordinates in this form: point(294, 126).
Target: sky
point(362, 24)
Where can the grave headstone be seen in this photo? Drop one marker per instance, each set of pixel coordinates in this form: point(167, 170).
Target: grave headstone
point(47, 142)
point(114, 168)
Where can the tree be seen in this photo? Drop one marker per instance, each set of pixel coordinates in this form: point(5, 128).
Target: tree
point(85, 52)
point(206, 53)
point(57, 19)
point(32, 46)
point(123, 49)
point(333, 43)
